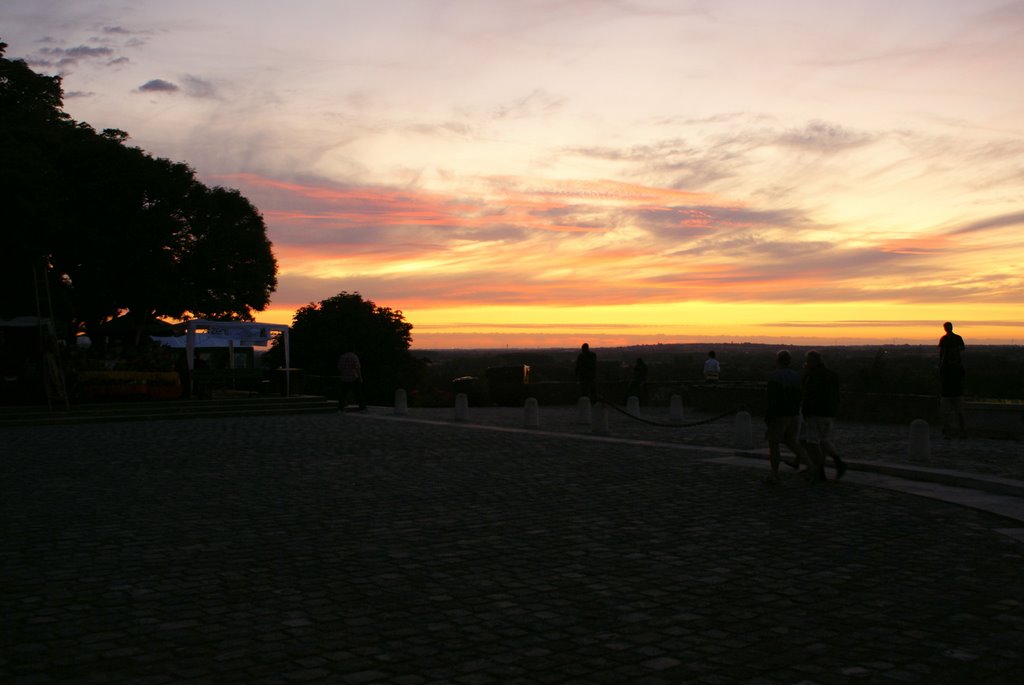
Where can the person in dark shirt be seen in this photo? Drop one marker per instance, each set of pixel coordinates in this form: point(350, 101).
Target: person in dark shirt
point(782, 416)
point(951, 347)
point(820, 405)
point(951, 377)
point(586, 371)
point(350, 381)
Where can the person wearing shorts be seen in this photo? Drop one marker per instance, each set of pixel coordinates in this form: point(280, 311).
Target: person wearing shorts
point(819, 406)
point(782, 415)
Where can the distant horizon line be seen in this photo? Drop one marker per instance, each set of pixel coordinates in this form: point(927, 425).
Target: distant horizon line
point(750, 343)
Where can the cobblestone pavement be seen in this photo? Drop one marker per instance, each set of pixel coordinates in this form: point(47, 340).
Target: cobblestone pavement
point(373, 549)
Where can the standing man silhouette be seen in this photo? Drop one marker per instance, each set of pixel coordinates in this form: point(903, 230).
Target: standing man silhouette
point(350, 373)
point(951, 376)
point(586, 371)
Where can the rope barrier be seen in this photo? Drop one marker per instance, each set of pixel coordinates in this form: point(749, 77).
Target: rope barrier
point(669, 425)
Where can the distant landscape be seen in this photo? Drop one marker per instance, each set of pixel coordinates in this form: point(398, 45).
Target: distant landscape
point(993, 371)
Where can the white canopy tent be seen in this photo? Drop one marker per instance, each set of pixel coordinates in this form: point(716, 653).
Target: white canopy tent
point(237, 333)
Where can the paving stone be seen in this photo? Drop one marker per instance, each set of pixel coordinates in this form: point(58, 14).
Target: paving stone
point(334, 549)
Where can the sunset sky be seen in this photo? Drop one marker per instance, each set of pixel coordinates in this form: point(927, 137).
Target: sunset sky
point(540, 173)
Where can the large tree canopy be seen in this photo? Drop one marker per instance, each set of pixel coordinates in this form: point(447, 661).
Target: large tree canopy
point(380, 336)
point(118, 234)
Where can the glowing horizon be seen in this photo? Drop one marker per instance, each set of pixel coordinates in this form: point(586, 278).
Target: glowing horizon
point(533, 175)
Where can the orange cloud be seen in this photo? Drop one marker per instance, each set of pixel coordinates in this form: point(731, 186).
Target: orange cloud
point(560, 245)
point(920, 246)
point(384, 207)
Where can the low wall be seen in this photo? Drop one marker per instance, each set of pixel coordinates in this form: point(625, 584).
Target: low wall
point(884, 408)
point(983, 418)
point(992, 419)
point(996, 419)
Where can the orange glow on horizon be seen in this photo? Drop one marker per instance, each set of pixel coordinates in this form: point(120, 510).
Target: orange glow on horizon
point(530, 327)
point(527, 262)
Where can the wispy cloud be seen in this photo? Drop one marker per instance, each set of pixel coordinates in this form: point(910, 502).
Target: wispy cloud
point(820, 136)
point(1014, 221)
point(64, 58)
point(159, 85)
point(198, 88)
point(102, 50)
point(191, 86)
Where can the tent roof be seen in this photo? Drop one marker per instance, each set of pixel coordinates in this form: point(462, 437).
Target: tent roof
point(180, 342)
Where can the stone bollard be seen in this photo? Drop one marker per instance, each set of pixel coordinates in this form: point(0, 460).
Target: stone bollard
point(401, 403)
point(919, 447)
point(600, 427)
point(461, 407)
point(633, 405)
point(583, 411)
point(744, 436)
point(675, 408)
point(532, 413)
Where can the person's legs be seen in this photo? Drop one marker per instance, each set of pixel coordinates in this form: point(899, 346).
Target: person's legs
point(773, 433)
point(344, 390)
point(958, 410)
point(587, 389)
point(808, 441)
point(790, 433)
point(952, 402)
point(828, 449)
point(816, 460)
point(774, 457)
point(947, 407)
point(808, 456)
point(815, 438)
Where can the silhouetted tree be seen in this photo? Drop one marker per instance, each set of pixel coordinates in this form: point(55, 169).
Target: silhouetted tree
point(380, 336)
point(121, 236)
point(225, 259)
point(32, 126)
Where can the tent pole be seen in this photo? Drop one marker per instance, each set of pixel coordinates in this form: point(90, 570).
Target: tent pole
point(287, 365)
point(190, 346)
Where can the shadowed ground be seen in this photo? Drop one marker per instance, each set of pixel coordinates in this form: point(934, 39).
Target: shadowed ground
point(369, 549)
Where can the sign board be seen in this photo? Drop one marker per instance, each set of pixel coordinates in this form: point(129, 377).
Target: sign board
point(240, 331)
